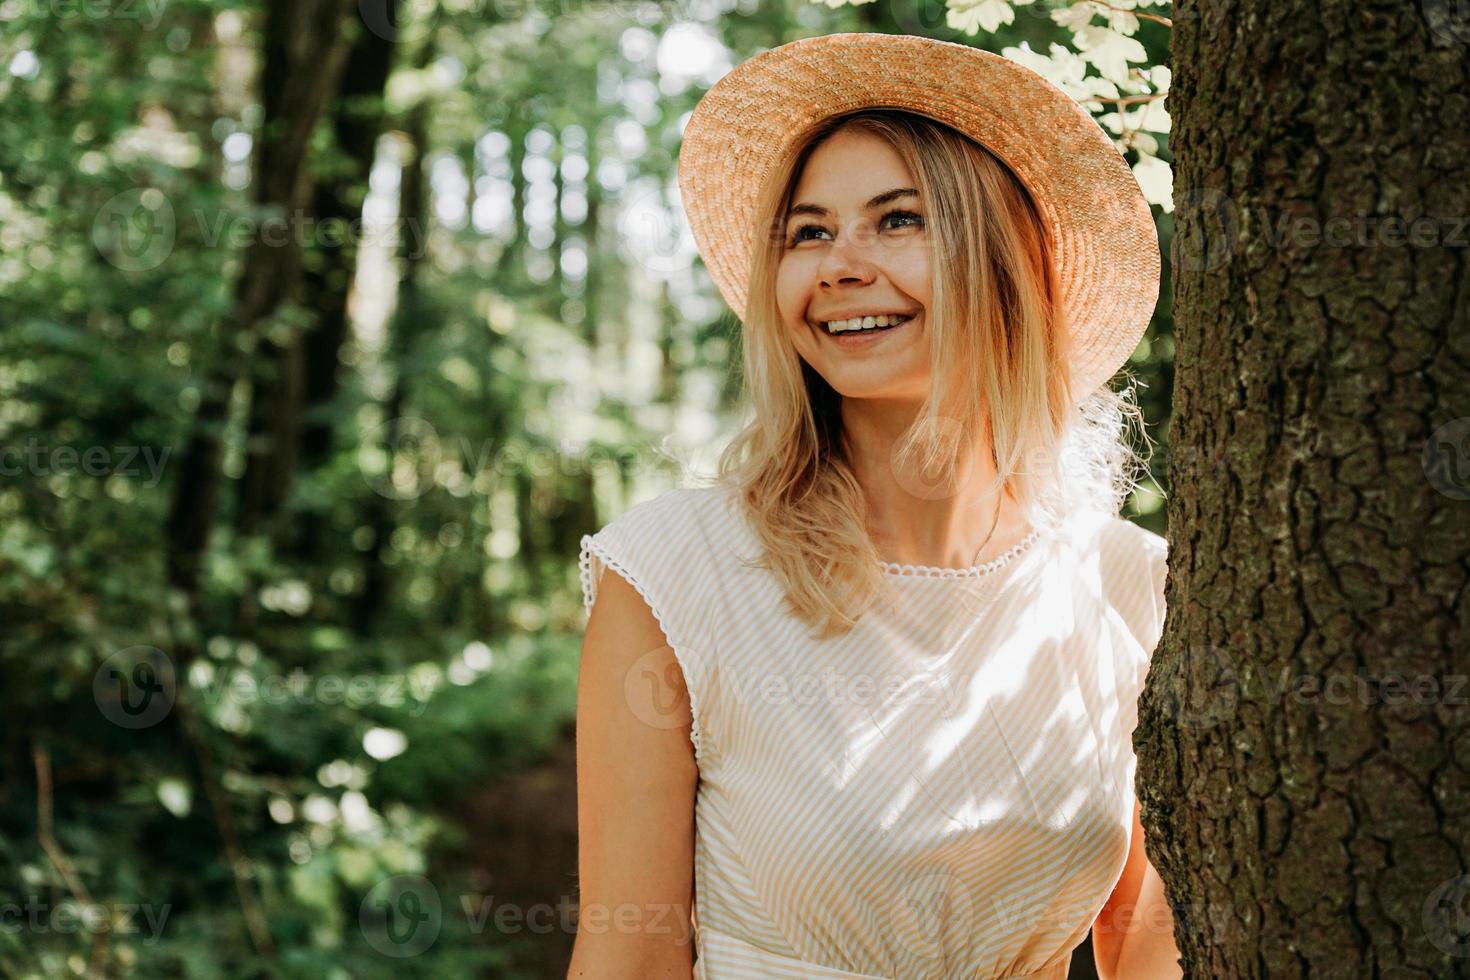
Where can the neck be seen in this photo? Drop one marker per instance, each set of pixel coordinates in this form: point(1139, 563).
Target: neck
point(914, 518)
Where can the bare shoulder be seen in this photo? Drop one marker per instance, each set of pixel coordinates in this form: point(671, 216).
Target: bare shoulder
point(623, 645)
point(657, 561)
point(621, 623)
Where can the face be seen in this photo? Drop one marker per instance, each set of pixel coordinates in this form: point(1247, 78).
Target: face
point(851, 248)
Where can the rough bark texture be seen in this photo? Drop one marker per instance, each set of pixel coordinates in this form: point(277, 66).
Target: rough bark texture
point(1307, 817)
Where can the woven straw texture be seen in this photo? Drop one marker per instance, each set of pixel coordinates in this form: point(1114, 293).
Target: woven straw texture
point(1107, 245)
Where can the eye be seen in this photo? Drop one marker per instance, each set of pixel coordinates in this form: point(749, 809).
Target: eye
point(800, 234)
point(910, 219)
point(907, 216)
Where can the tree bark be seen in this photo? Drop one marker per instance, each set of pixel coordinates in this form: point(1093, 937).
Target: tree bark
point(1309, 816)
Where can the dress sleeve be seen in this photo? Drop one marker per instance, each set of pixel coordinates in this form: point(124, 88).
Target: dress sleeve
point(1135, 564)
point(1156, 558)
point(657, 546)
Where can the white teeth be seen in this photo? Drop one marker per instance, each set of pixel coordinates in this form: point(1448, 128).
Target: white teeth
point(863, 323)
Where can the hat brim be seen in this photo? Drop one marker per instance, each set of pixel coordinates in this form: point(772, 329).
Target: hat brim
point(1107, 248)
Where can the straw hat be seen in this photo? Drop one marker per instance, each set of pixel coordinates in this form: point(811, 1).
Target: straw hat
point(1107, 246)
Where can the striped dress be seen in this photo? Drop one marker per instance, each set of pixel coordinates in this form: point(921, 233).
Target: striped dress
point(945, 792)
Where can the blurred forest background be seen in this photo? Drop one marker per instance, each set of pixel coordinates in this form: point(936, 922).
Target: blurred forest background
point(328, 328)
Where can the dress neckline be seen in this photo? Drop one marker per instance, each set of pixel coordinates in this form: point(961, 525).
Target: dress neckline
point(969, 571)
point(895, 570)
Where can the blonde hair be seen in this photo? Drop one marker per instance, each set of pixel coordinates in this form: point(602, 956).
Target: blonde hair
point(996, 320)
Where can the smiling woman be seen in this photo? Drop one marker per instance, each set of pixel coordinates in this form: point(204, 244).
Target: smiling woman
point(862, 709)
point(884, 212)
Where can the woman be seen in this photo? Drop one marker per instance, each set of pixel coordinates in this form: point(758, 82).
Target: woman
point(862, 707)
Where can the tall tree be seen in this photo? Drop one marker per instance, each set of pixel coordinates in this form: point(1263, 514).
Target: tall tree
point(303, 53)
point(1307, 811)
point(406, 325)
point(357, 119)
point(304, 48)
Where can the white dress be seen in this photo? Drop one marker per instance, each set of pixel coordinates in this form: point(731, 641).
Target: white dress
point(945, 792)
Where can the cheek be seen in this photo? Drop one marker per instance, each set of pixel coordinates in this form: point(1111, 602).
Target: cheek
point(791, 292)
point(911, 273)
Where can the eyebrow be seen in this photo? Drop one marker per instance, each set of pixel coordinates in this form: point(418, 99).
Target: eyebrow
point(878, 201)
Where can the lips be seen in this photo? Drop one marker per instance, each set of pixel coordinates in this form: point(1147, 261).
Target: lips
point(860, 339)
point(826, 325)
point(850, 337)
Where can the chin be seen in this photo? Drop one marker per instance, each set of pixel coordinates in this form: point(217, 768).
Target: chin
point(887, 386)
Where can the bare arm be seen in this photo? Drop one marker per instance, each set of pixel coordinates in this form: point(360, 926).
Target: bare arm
point(1133, 937)
point(636, 777)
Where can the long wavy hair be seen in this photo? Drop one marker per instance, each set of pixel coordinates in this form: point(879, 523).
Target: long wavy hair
point(999, 360)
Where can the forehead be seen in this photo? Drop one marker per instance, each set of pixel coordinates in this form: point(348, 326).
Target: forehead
point(848, 168)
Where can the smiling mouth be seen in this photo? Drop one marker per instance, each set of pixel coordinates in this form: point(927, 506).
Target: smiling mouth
point(846, 330)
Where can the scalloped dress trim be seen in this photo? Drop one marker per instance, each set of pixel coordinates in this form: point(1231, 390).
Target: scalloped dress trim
point(935, 571)
point(584, 565)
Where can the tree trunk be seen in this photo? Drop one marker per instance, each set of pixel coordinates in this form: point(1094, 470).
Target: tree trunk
point(1308, 811)
point(357, 123)
point(408, 317)
point(298, 376)
point(592, 233)
point(298, 34)
point(303, 57)
point(511, 263)
point(277, 398)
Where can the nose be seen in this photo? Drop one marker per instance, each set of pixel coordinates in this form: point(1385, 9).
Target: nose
point(845, 262)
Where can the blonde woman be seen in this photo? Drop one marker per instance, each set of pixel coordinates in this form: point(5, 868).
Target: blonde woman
point(861, 707)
